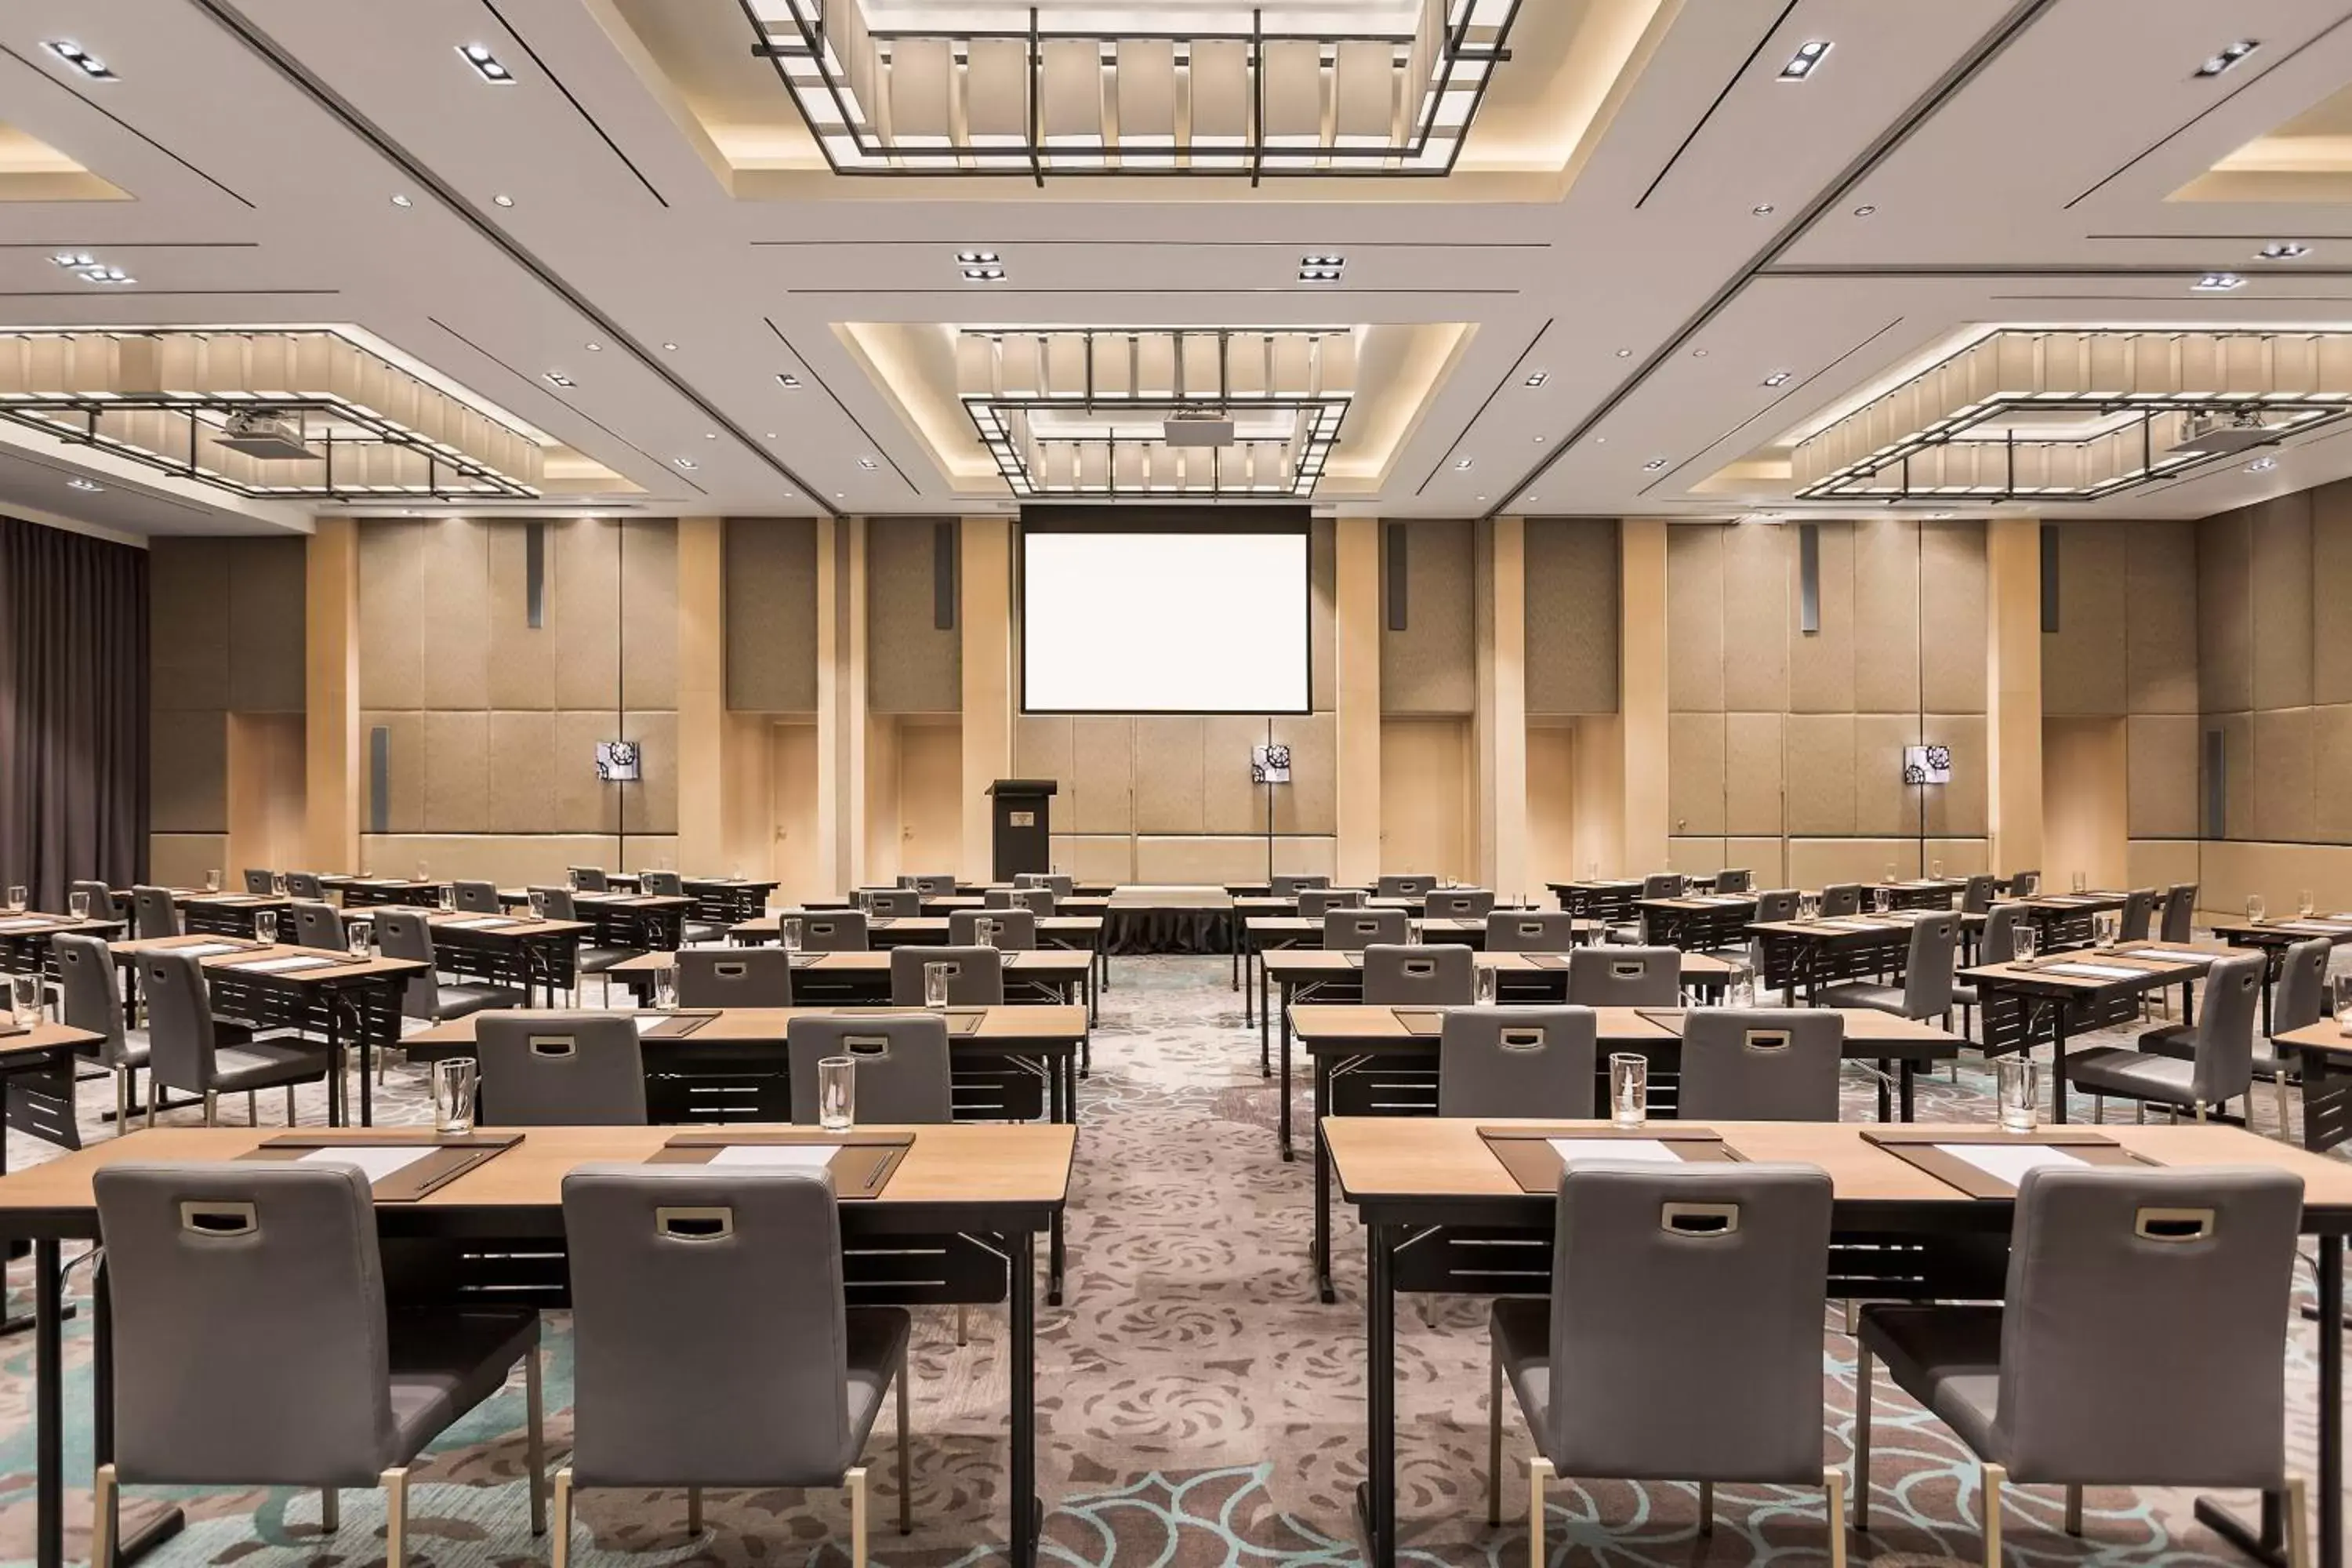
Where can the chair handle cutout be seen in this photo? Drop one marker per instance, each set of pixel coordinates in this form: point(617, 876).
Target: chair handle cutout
point(554, 1045)
point(2173, 1224)
point(1699, 1219)
point(201, 1217)
point(695, 1224)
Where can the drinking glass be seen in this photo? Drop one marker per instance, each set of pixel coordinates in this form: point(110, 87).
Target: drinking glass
point(25, 998)
point(2305, 903)
point(2033, 885)
point(665, 987)
point(265, 927)
point(1592, 870)
point(837, 1093)
point(538, 904)
point(77, 905)
point(2106, 930)
point(1889, 874)
point(1809, 907)
point(935, 985)
point(2024, 941)
point(2344, 1001)
point(2255, 908)
point(455, 1082)
point(360, 937)
point(1740, 991)
point(278, 883)
point(421, 871)
point(1935, 869)
point(984, 931)
point(1629, 1089)
point(788, 932)
point(1881, 900)
point(448, 899)
point(212, 881)
point(572, 879)
point(1482, 991)
point(2016, 1084)
point(17, 898)
point(2080, 881)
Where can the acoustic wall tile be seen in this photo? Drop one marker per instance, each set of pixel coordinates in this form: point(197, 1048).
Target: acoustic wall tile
point(181, 859)
point(188, 622)
point(584, 802)
point(2082, 666)
point(2283, 773)
point(650, 805)
point(911, 665)
point(453, 607)
point(1089, 857)
point(1958, 808)
point(1167, 775)
point(771, 589)
point(649, 615)
point(2331, 604)
point(269, 591)
point(2160, 761)
point(1952, 617)
point(1819, 763)
point(1882, 803)
point(2331, 816)
point(2225, 650)
point(1041, 750)
point(1758, 618)
point(2160, 618)
point(1101, 775)
point(1820, 664)
point(1229, 802)
point(1695, 773)
point(2238, 772)
point(187, 771)
point(1766, 863)
point(457, 771)
point(522, 772)
point(1752, 773)
point(1813, 862)
point(1886, 615)
point(583, 608)
point(1570, 586)
point(1310, 802)
point(1199, 860)
point(391, 631)
point(1322, 619)
point(1695, 619)
point(403, 769)
point(1695, 855)
point(522, 657)
point(2282, 602)
point(1430, 666)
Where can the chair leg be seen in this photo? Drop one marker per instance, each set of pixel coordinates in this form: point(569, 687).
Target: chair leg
point(1494, 1434)
point(964, 1325)
point(1707, 1508)
point(290, 1105)
point(1994, 1475)
point(1539, 1470)
point(1834, 1502)
point(2073, 1510)
point(2278, 1084)
point(906, 1427)
point(106, 1522)
point(330, 1509)
point(253, 1107)
point(559, 1547)
point(856, 1481)
point(212, 1108)
point(534, 1441)
point(1863, 1379)
point(694, 1511)
point(2298, 1524)
point(2098, 1107)
point(2200, 1110)
point(121, 1099)
point(395, 1516)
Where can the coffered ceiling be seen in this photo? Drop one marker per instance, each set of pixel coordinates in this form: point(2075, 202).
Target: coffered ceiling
point(1660, 262)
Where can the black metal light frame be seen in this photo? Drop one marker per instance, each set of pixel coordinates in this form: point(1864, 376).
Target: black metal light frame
point(986, 411)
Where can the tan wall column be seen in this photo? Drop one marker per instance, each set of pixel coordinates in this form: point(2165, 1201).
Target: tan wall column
point(2013, 692)
point(332, 779)
point(840, 701)
point(984, 617)
point(1641, 690)
point(702, 760)
point(1502, 717)
point(1355, 616)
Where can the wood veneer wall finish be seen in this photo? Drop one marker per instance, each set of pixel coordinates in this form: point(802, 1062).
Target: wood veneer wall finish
point(1785, 748)
point(1571, 616)
point(771, 615)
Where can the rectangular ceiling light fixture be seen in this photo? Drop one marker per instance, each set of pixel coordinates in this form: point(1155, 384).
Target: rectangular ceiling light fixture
point(2229, 56)
point(1809, 54)
point(485, 65)
point(1322, 269)
point(81, 60)
point(90, 270)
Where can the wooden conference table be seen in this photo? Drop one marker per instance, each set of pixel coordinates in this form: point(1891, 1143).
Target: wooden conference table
point(1081, 932)
point(987, 1190)
point(2061, 995)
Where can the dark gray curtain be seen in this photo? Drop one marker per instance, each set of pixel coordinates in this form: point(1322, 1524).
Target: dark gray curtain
point(73, 710)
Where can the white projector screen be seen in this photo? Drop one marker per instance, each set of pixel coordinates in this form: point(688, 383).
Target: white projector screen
point(1153, 622)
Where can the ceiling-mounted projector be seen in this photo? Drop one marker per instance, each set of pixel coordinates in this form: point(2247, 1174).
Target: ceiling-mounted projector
point(2219, 436)
point(266, 432)
point(1199, 430)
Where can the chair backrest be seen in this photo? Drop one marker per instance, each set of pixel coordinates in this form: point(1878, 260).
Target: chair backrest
point(304, 885)
point(260, 881)
point(1777, 904)
point(180, 1033)
point(1354, 929)
point(757, 1392)
point(2181, 912)
point(560, 1070)
point(1626, 976)
point(930, 884)
point(272, 1268)
point(2140, 908)
point(2228, 1005)
point(1842, 899)
point(1928, 969)
point(1034, 900)
point(975, 975)
point(1053, 881)
point(1530, 930)
point(1016, 930)
point(1734, 881)
point(589, 878)
point(1670, 1284)
point(475, 898)
point(1664, 885)
point(902, 1065)
point(892, 904)
point(734, 978)
point(100, 897)
point(557, 902)
point(1314, 903)
point(2024, 884)
point(1999, 943)
point(2302, 994)
point(1408, 885)
point(153, 911)
point(1976, 897)
point(832, 930)
point(662, 884)
point(318, 925)
point(406, 933)
point(1439, 975)
point(2113, 1270)
point(1516, 1061)
point(88, 988)
point(1760, 1064)
point(1286, 884)
point(1458, 903)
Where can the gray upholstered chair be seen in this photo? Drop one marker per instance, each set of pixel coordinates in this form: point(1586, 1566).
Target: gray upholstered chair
point(1016, 930)
point(2024, 884)
point(832, 930)
point(102, 906)
point(1760, 1064)
point(304, 885)
point(902, 1065)
point(1052, 881)
point(1664, 885)
point(892, 904)
point(734, 978)
point(2181, 912)
point(259, 882)
point(588, 879)
point(2139, 908)
point(317, 925)
point(1440, 974)
point(1314, 903)
point(476, 898)
point(1736, 880)
point(591, 957)
point(306, 1377)
point(187, 1051)
point(1998, 944)
point(1458, 903)
point(1354, 929)
point(930, 884)
point(975, 975)
point(1625, 977)
point(1671, 1284)
point(560, 1069)
point(1926, 988)
point(1530, 930)
point(1976, 897)
point(1409, 885)
point(2113, 1270)
point(1841, 898)
point(1773, 904)
point(778, 1384)
point(1516, 1061)
point(154, 912)
point(2218, 1065)
point(406, 933)
point(662, 884)
point(1288, 884)
point(1036, 900)
point(91, 997)
point(2299, 1001)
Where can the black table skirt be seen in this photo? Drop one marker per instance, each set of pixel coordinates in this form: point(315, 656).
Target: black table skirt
point(1168, 931)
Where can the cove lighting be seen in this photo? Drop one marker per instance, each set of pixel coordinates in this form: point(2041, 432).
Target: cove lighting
point(1801, 64)
point(486, 64)
point(81, 60)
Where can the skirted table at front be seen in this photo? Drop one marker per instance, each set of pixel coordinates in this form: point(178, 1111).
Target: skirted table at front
point(1169, 919)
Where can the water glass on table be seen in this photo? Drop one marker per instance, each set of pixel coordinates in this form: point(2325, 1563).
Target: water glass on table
point(1881, 900)
point(2255, 908)
point(212, 881)
point(837, 1093)
point(17, 898)
point(25, 999)
point(1629, 1089)
point(360, 937)
point(2343, 984)
point(788, 934)
point(1483, 986)
point(665, 985)
point(2106, 930)
point(2024, 942)
point(265, 927)
point(77, 905)
point(448, 898)
point(539, 903)
point(935, 985)
point(2305, 904)
point(456, 1082)
point(2017, 1088)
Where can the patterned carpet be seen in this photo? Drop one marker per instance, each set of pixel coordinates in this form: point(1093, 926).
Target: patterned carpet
point(1198, 1406)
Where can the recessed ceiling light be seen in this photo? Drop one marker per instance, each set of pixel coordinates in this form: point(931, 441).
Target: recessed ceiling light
point(1801, 64)
point(840, 495)
point(1654, 463)
point(788, 381)
point(479, 56)
point(978, 258)
point(772, 435)
point(2218, 283)
point(1539, 440)
point(81, 60)
point(595, 348)
point(1538, 377)
point(684, 462)
point(2261, 464)
point(2283, 250)
point(78, 483)
point(2229, 56)
point(1460, 464)
point(1865, 210)
point(1778, 377)
point(671, 347)
point(502, 199)
point(400, 201)
point(1624, 354)
point(90, 269)
point(869, 464)
point(558, 378)
point(1534, 497)
point(1698, 353)
point(1482, 498)
point(1762, 209)
point(984, 274)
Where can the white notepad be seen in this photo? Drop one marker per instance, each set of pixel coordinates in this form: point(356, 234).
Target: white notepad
point(206, 949)
point(479, 922)
point(2158, 954)
point(647, 1023)
point(36, 923)
point(2010, 1161)
point(1648, 1151)
point(378, 1160)
point(2096, 971)
point(279, 965)
point(789, 1156)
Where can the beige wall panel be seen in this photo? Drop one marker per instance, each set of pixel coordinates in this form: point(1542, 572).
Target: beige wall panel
point(1322, 627)
point(2238, 752)
point(1881, 801)
point(523, 763)
point(930, 796)
point(1306, 857)
point(1229, 802)
point(392, 633)
point(1551, 804)
point(1695, 619)
point(2081, 674)
point(1600, 815)
point(2331, 608)
point(1752, 773)
point(1757, 619)
point(772, 614)
point(2230, 872)
point(1570, 592)
point(657, 851)
point(188, 620)
point(1101, 775)
point(2160, 619)
point(523, 658)
point(1167, 774)
point(1958, 809)
point(650, 805)
point(453, 608)
point(269, 584)
point(582, 607)
point(2283, 773)
point(1424, 794)
point(187, 766)
point(1429, 667)
point(1820, 664)
point(1695, 855)
point(1953, 624)
point(584, 803)
point(2161, 757)
point(1764, 860)
point(1200, 859)
point(2282, 602)
point(1818, 753)
point(1886, 616)
point(265, 789)
point(649, 612)
point(1310, 804)
point(2331, 745)
point(912, 665)
point(1813, 862)
point(509, 860)
point(2162, 862)
point(886, 828)
point(404, 770)
point(181, 859)
point(2225, 649)
point(1695, 773)
point(792, 804)
point(457, 771)
point(1961, 856)
point(1092, 858)
point(2084, 803)
point(1041, 750)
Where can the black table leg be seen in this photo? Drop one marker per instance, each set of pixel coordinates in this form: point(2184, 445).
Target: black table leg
point(1376, 1494)
point(1282, 1113)
point(1908, 1079)
point(1023, 1335)
point(1265, 1025)
point(49, 1406)
point(2057, 1060)
point(1885, 1093)
point(1323, 1285)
